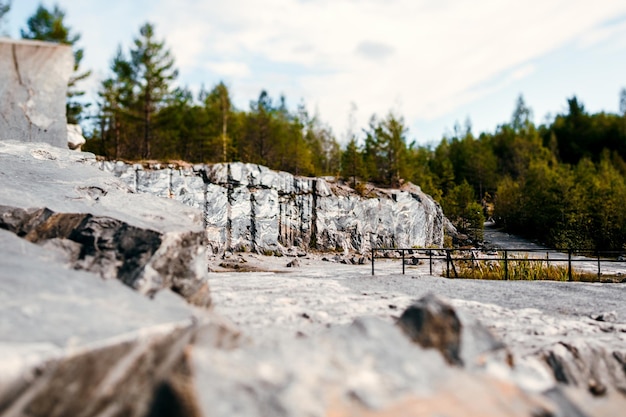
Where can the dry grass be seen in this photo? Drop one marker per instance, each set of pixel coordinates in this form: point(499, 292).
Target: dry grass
point(524, 269)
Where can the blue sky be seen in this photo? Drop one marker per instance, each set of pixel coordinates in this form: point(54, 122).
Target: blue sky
point(435, 62)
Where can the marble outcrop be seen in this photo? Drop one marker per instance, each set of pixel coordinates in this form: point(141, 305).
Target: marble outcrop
point(250, 207)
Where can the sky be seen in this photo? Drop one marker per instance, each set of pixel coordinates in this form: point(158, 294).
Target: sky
point(433, 62)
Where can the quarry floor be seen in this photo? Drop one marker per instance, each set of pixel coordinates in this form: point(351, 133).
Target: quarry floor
point(302, 301)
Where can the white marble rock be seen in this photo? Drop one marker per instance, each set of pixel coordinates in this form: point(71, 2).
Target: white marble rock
point(33, 85)
point(250, 207)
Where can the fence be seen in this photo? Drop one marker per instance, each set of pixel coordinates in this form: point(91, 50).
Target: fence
point(474, 257)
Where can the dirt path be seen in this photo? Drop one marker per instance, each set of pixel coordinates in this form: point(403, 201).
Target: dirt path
point(495, 237)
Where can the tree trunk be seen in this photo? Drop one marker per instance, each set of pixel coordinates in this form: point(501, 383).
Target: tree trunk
point(224, 127)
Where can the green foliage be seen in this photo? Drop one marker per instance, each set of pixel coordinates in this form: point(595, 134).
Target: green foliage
point(581, 135)
point(5, 6)
point(352, 163)
point(219, 113)
point(465, 213)
point(141, 116)
point(385, 152)
point(47, 25)
point(153, 71)
point(567, 207)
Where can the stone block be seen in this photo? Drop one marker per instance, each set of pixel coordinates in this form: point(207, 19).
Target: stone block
point(33, 87)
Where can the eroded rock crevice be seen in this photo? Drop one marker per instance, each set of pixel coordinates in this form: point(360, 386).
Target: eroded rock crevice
point(16, 65)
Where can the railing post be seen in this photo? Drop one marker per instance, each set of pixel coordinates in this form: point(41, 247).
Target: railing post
point(506, 264)
point(372, 261)
point(430, 256)
point(569, 264)
point(169, 184)
point(136, 179)
point(402, 250)
point(447, 264)
point(599, 266)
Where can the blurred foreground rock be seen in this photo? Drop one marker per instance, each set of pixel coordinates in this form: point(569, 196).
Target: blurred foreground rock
point(372, 368)
point(250, 207)
point(56, 198)
point(33, 84)
point(72, 344)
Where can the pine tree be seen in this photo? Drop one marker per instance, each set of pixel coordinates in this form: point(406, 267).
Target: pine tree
point(257, 145)
point(47, 25)
point(352, 162)
point(153, 68)
point(219, 108)
point(522, 115)
point(385, 150)
point(116, 97)
point(5, 6)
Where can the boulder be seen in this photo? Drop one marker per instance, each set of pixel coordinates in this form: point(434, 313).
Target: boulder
point(58, 198)
point(432, 322)
point(74, 344)
point(75, 138)
point(368, 368)
point(293, 264)
point(33, 85)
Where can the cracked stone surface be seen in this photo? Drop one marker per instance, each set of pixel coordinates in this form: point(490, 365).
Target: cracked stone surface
point(250, 207)
point(58, 198)
point(33, 84)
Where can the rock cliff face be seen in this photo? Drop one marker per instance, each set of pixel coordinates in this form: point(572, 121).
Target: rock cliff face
point(33, 84)
point(250, 207)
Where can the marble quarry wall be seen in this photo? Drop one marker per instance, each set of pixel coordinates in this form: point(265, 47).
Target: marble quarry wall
point(250, 207)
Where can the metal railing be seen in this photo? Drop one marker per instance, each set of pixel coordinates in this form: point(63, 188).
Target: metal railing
point(509, 255)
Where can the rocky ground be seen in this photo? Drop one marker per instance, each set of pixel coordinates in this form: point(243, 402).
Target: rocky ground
point(105, 310)
point(319, 294)
point(574, 333)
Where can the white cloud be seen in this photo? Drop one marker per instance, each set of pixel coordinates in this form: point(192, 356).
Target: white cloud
point(229, 68)
point(522, 72)
point(430, 55)
point(603, 33)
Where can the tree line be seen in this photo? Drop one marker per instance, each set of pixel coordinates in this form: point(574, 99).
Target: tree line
point(141, 116)
point(562, 182)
